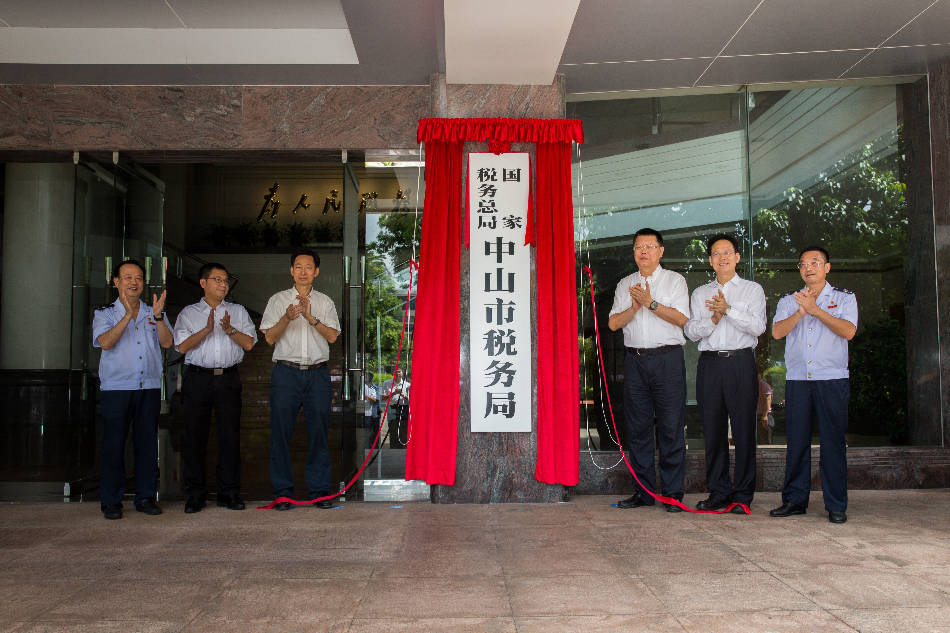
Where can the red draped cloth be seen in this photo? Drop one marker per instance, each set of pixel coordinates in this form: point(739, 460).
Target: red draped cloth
point(435, 359)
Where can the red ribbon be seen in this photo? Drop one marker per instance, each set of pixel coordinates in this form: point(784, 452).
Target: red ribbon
point(660, 498)
point(405, 316)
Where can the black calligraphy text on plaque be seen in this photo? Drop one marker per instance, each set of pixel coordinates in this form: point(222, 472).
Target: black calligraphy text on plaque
point(500, 372)
point(488, 174)
point(503, 312)
point(511, 222)
point(484, 223)
point(498, 342)
point(499, 278)
point(500, 248)
point(500, 403)
point(511, 175)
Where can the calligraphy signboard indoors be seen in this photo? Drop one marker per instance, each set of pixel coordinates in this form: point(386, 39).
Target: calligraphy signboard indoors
point(500, 292)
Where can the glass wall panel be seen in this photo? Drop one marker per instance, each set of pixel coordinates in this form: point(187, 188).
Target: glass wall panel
point(674, 164)
point(825, 170)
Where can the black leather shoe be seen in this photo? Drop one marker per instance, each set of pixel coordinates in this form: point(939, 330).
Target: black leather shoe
point(739, 510)
point(112, 512)
point(148, 507)
point(194, 504)
point(837, 517)
point(231, 502)
point(326, 504)
point(672, 508)
point(787, 510)
point(633, 502)
point(712, 504)
point(284, 505)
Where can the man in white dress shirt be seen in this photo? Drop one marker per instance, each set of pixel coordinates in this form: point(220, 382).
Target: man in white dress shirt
point(300, 323)
point(727, 316)
point(213, 335)
point(651, 306)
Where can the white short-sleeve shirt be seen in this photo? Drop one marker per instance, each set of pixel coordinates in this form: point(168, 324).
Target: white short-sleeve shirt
point(217, 350)
point(740, 329)
point(301, 342)
point(646, 329)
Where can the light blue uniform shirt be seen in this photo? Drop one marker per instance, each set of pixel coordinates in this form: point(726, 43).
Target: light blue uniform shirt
point(812, 351)
point(135, 361)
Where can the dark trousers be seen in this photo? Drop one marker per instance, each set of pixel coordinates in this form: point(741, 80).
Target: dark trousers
point(656, 385)
point(291, 389)
point(120, 409)
point(398, 426)
point(202, 393)
point(828, 400)
point(727, 391)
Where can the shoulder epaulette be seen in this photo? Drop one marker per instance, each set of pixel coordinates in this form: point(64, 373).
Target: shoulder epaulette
point(788, 294)
point(104, 306)
point(847, 292)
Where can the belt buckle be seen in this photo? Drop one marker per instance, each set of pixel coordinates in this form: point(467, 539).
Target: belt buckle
point(218, 372)
point(638, 351)
point(304, 367)
point(722, 354)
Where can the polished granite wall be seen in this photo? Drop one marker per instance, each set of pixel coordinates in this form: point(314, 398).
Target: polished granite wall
point(173, 118)
point(496, 467)
point(940, 157)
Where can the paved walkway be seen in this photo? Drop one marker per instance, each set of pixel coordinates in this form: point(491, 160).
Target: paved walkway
point(580, 566)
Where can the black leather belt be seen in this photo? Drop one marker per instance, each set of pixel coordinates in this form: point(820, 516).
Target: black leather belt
point(647, 351)
point(746, 351)
point(210, 370)
point(302, 367)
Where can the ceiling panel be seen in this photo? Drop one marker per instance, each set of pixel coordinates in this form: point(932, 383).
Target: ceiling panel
point(890, 62)
point(781, 26)
point(633, 76)
point(933, 27)
point(779, 68)
point(253, 14)
point(153, 14)
point(607, 30)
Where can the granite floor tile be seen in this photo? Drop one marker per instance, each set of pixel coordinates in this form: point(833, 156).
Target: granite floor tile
point(198, 538)
point(103, 626)
point(470, 514)
point(456, 625)
point(751, 620)
point(642, 623)
point(322, 625)
point(556, 560)
point(928, 552)
point(523, 537)
point(516, 514)
point(435, 598)
point(667, 558)
point(338, 563)
point(440, 561)
point(28, 598)
point(17, 538)
point(310, 599)
point(897, 619)
point(112, 535)
point(864, 589)
point(136, 600)
point(322, 537)
point(802, 554)
point(709, 591)
point(581, 595)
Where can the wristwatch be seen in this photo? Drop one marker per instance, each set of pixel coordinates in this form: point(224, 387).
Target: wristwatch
point(729, 309)
point(315, 323)
point(233, 331)
point(159, 318)
point(653, 305)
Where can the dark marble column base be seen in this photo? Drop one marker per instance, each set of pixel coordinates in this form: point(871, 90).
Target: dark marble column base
point(868, 469)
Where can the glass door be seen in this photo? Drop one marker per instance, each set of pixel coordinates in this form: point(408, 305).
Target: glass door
point(118, 216)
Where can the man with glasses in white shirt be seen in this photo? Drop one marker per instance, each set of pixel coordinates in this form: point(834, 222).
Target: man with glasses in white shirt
point(300, 323)
point(213, 335)
point(816, 322)
point(727, 316)
point(651, 306)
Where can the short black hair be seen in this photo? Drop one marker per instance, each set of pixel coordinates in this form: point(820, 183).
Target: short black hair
point(205, 271)
point(718, 237)
point(305, 251)
point(648, 232)
point(823, 252)
point(118, 267)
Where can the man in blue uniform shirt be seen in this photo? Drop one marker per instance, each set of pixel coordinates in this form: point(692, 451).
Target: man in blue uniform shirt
point(131, 335)
point(818, 322)
point(213, 334)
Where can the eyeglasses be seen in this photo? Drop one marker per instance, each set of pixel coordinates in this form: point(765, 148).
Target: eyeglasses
point(811, 264)
point(644, 247)
point(723, 254)
point(219, 280)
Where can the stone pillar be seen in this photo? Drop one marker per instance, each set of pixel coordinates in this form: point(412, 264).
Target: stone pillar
point(495, 467)
point(940, 155)
point(37, 266)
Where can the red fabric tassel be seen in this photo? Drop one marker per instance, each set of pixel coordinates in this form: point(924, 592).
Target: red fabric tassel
point(558, 368)
point(430, 455)
point(500, 130)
